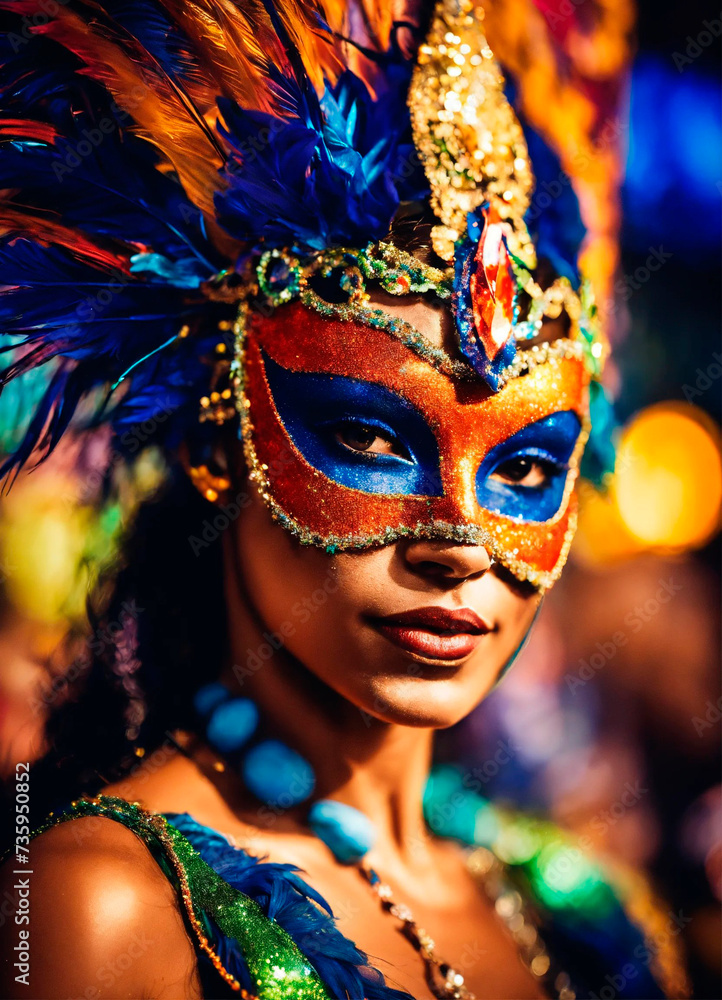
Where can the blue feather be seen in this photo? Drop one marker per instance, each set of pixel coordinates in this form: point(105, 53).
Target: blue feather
point(146, 21)
point(553, 217)
point(286, 898)
point(330, 172)
point(321, 178)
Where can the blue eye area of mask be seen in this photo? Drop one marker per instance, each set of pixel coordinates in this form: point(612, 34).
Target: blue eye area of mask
point(317, 408)
point(546, 447)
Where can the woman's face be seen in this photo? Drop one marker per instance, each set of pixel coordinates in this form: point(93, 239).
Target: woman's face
point(413, 632)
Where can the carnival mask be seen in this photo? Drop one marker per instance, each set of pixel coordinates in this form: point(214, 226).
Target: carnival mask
point(356, 439)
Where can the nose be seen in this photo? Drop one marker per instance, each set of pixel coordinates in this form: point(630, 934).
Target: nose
point(447, 561)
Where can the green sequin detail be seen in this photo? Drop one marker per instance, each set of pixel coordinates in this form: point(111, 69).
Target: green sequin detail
point(278, 968)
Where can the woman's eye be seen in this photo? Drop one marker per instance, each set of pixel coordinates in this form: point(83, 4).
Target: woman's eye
point(526, 471)
point(370, 440)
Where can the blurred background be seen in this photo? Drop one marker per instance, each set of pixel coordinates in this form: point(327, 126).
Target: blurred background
point(610, 721)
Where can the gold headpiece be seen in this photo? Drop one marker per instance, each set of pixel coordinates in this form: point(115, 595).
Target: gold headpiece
point(469, 139)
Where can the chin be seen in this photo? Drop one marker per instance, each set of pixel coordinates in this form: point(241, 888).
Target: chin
point(397, 686)
point(425, 700)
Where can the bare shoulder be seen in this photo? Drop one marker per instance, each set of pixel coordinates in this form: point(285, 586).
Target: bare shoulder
point(99, 919)
point(168, 781)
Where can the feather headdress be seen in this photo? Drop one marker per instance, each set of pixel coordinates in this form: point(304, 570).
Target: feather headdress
point(150, 150)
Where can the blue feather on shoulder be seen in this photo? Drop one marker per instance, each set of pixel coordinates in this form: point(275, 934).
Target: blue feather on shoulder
point(286, 898)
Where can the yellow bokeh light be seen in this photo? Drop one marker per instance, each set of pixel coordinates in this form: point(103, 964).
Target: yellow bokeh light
point(668, 479)
point(666, 492)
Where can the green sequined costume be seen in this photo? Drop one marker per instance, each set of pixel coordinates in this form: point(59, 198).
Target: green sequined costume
point(592, 925)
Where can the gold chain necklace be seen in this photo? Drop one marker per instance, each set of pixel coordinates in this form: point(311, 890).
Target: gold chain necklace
point(443, 980)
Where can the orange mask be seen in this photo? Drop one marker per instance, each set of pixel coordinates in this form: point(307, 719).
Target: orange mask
point(453, 452)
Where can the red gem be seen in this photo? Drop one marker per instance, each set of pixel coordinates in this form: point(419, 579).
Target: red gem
point(492, 288)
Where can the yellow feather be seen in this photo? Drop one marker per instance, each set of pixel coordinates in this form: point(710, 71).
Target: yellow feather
point(237, 43)
point(229, 47)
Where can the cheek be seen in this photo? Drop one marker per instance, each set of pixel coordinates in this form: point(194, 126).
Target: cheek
point(305, 598)
point(516, 609)
point(280, 576)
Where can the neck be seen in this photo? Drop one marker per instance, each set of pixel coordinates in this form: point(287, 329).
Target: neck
point(378, 767)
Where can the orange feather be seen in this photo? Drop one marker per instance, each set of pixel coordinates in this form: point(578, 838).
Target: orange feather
point(159, 111)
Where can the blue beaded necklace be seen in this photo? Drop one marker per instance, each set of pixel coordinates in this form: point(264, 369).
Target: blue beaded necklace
point(282, 778)
point(277, 775)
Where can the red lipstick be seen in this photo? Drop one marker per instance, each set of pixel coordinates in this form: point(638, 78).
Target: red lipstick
point(434, 633)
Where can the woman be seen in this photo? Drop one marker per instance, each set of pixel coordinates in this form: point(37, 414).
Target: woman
point(239, 215)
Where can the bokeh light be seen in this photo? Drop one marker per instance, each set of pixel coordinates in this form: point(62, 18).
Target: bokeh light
point(666, 492)
point(668, 482)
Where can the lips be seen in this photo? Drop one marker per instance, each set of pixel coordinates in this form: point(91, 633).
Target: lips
point(434, 633)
